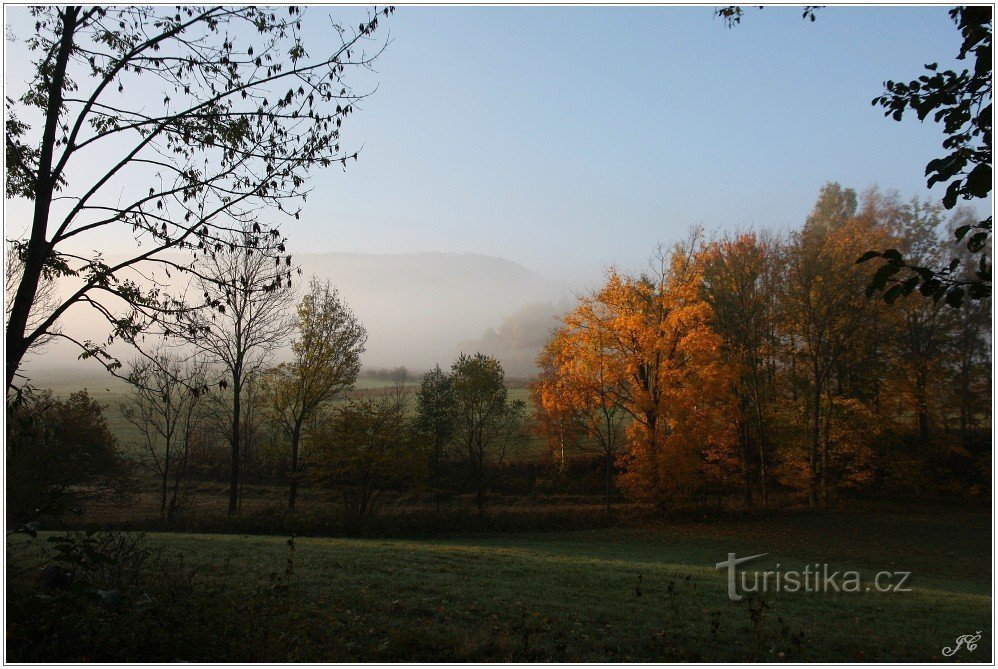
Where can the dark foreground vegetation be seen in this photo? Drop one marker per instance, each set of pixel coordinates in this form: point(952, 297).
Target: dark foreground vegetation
point(624, 594)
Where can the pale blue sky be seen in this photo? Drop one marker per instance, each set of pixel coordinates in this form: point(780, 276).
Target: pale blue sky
point(570, 138)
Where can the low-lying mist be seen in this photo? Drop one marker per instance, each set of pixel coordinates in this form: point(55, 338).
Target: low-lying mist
point(420, 309)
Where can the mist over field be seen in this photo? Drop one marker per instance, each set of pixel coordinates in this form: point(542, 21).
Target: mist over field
point(420, 309)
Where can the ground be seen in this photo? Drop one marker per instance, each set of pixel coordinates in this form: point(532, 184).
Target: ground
point(647, 593)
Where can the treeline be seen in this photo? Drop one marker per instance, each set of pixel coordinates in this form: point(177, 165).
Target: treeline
point(751, 366)
point(755, 363)
point(450, 437)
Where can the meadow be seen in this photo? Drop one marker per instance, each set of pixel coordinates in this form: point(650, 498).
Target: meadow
point(543, 576)
point(645, 594)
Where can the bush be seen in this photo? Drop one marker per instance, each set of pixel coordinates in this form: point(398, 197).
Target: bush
point(61, 456)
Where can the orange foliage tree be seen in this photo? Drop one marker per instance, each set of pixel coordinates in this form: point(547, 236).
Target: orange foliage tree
point(645, 344)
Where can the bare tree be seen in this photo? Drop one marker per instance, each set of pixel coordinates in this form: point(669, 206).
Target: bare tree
point(168, 410)
point(248, 320)
point(172, 125)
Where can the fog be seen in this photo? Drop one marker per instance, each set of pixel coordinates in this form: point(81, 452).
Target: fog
point(420, 309)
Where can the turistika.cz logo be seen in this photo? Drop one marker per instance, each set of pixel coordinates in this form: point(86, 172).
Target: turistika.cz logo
point(817, 577)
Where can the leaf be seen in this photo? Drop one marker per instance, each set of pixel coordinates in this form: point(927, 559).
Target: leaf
point(977, 242)
point(954, 297)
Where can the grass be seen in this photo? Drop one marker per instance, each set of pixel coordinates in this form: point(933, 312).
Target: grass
point(648, 594)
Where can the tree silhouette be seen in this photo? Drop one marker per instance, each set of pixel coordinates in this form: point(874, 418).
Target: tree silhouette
point(174, 126)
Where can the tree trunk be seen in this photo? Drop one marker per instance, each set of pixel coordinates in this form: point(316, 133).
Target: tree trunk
point(234, 471)
point(165, 486)
point(293, 487)
point(743, 442)
point(815, 441)
point(825, 495)
point(921, 405)
point(38, 246)
point(480, 486)
point(435, 465)
point(764, 489)
point(173, 499)
point(608, 482)
point(652, 421)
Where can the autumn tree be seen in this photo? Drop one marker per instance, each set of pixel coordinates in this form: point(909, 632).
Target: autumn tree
point(246, 286)
point(579, 395)
point(825, 315)
point(735, 286)
point(553, 416)
point(167, 408)
point(487, 421)
point(326, 348)
point(173, 126)
point(645, 345)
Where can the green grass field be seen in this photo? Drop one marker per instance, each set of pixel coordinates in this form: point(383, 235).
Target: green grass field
point(647, 595)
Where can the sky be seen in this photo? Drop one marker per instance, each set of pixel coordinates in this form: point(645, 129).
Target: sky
point(570, 138)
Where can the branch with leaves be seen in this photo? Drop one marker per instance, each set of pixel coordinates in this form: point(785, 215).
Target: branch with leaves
point(221, 112)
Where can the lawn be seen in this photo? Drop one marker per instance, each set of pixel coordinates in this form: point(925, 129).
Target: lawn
point(628, 594)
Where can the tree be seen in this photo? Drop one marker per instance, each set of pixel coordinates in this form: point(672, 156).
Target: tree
point(171, 125)
point(962, 103)
point(45, 301)
point(673, 382)
point(60, 456)
point(734, 284)
point(487, 422)
point(968, 349)
point(364, 449)
point(925, 324)
point(641, 351)
point(247, 320)
point(578, 396)
point(168, 410)
point(326, 350)
point(436, 414)
point(825, 314)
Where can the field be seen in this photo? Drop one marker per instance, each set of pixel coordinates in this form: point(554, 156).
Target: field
point(112, 392)
point(626, 594)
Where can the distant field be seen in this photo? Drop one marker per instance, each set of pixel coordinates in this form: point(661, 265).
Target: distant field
point(650, 595)
point(112, 392)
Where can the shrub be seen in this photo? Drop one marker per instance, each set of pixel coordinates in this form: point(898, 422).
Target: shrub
point(61, 456)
